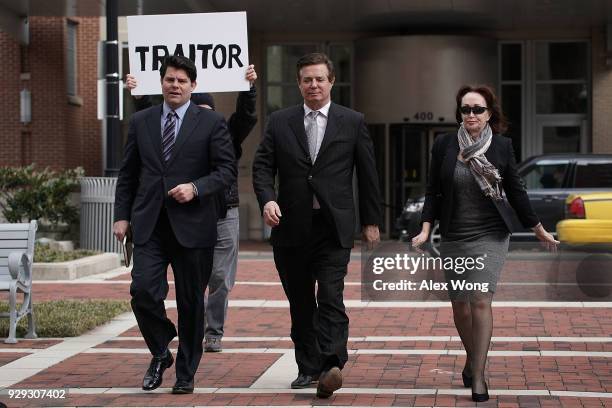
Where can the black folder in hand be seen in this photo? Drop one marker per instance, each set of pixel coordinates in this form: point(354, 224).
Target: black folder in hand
point(128, 247)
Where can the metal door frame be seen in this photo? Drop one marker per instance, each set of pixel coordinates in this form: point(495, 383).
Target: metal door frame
point(559, 121)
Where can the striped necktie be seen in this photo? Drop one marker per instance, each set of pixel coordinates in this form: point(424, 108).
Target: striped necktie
point(169, 136)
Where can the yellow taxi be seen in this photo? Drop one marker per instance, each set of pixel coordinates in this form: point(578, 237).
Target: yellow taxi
point(588, 219)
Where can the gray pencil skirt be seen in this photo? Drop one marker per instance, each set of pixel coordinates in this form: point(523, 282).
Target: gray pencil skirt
point(473, 264)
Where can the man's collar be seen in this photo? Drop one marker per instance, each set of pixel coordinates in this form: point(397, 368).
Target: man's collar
point(324, 110)
point(180, 111)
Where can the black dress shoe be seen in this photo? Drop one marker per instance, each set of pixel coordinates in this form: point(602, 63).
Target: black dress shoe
point(481, 397)
point(329, 381)
point(183, 387)
point(304, 381)
point(153, 376)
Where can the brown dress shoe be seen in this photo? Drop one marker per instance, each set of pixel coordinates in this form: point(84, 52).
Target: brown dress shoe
point(329, 381)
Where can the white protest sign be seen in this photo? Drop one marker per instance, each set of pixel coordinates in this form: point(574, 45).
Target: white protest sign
point(216, 42)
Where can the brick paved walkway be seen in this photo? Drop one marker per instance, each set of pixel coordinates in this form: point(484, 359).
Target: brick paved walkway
point(544, 354)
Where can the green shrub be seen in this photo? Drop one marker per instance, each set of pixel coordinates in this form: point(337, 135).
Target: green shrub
point(44, 253)
point(30, 194)
point(67, 318)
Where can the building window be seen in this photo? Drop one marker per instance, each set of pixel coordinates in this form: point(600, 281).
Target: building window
point(281, 86)
point(342, 57)
point(561, 77)
point(545, 92)
point(512, 91)
point(71, 57)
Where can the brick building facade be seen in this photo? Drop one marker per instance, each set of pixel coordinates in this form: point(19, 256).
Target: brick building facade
point(64, 131)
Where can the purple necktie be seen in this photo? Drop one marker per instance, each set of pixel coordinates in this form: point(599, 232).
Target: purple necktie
point(169, 136)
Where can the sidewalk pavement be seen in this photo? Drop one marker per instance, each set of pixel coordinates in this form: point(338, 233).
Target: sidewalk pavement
point(546, 354)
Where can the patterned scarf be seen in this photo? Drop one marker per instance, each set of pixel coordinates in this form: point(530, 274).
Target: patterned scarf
point(473, 151)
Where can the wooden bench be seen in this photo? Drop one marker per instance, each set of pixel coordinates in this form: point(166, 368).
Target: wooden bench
point(16, 257)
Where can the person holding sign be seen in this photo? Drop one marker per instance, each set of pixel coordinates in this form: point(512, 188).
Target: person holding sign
point(314, 148)
point(217, 43)
point(178, 159)
point(225, 258)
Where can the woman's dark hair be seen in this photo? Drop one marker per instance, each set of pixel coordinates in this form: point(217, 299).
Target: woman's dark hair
point(316, 58)
point(179, 62)
point(498, 122)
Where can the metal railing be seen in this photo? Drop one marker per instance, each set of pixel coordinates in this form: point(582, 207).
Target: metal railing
point(97, 202)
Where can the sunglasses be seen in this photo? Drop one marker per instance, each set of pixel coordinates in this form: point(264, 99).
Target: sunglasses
point(477, 110)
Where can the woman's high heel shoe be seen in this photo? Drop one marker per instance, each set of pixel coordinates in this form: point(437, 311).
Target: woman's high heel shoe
point(481, 397)
point(467, 381)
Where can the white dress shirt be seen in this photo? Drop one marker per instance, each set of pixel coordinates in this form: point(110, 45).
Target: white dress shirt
point(180, 112)
point(321, 124)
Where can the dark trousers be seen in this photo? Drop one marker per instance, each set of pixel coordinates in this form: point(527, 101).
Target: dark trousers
point(149, 289)
point(319, 324)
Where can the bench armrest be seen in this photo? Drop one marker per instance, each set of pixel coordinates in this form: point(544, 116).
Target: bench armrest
point(16, 259)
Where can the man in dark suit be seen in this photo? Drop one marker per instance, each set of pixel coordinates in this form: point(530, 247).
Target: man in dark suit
point(178, 159)
point(313, 148)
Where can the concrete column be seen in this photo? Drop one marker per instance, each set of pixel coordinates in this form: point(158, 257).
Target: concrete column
point(602, 92)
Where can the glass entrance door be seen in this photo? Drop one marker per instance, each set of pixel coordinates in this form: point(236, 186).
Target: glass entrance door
point(407, 163)
point(561, 136)
point(408, 153)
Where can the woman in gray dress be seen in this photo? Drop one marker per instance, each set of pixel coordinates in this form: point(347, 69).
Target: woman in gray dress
point(468, 172)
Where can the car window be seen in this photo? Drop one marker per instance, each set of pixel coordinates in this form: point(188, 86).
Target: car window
point(593, 175)
point(545, 174)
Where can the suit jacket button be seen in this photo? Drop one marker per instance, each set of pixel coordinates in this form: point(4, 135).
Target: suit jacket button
point(309, 177)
